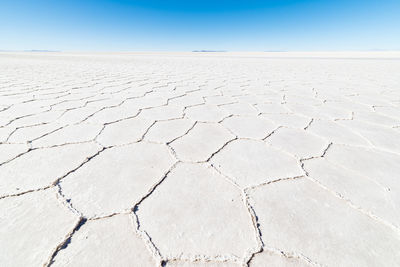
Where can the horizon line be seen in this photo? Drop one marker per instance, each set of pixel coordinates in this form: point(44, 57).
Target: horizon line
point(195, 51)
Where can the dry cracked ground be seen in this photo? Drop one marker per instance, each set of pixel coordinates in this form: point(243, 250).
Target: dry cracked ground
point(199, 159)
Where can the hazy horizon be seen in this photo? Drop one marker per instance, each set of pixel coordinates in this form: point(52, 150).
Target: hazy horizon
point(196, 51)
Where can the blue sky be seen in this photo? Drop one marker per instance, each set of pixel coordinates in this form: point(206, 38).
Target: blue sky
point(236, 25)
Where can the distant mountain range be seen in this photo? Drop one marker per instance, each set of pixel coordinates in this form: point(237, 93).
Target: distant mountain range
point(33, 50)
point(39, 50)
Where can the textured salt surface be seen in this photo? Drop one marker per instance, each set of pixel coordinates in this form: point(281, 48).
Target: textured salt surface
point(192, 159)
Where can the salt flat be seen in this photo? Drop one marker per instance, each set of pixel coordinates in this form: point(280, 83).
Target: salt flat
point(200, 159)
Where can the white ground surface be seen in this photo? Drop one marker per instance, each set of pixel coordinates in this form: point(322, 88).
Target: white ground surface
point(196, 159)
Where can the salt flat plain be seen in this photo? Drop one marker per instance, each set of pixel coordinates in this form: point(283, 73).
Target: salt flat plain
point(200, 159)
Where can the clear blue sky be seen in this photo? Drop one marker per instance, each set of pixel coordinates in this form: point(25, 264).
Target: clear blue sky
point(235, 25)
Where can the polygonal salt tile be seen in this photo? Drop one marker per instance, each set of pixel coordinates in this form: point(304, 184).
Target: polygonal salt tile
point(113, 114)
point(64, 105)
point(331, 111)
point(117, 178)
point(299, 216)
point(346, 104)
point(265, 96)
point(201, 142)
point(380, 166)
point(239, 109)
point(166, 131)
point(380, 136)
point(219, 100)
point(375, 117)
point(250, 162)
point(249, 126)
point(125, 131)
point(32, 226)
point(41, 118)
point(163, 113)
point(206, 113)
point(310, 111)
point(305, 100)
point(336, 133)
point(207, 92)
point(298, 142)
point(324, 111)
point(22, 110)
point(204, 216)
point(187, 100)
point(148, 101)
point(76, 115)
point(41, 167)
point(70, 134)
point(103, 103)
point(106, 242)
point(10, 151)
point(272, 108)
point(250, 99)
point(267, 258)
point(363, 191)
point(288, 120)
point(27, 134)
point(135, 91)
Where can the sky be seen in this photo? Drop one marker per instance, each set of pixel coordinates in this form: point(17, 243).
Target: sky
point(235, 25)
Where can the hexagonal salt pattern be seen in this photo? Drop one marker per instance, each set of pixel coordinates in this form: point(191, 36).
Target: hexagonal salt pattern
point(70, 134)
point(299, 143)
point(300, 217)
point(98, 243)
point(249, 126)
point(362, 190)
point(32, 226)
point(199, 159)
point(212, 223)
point(130, 170)
point(40, 168)
point(169, 130)
point(250, 162)
point(125, 131)
point(201, 142)
point(206, 113)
